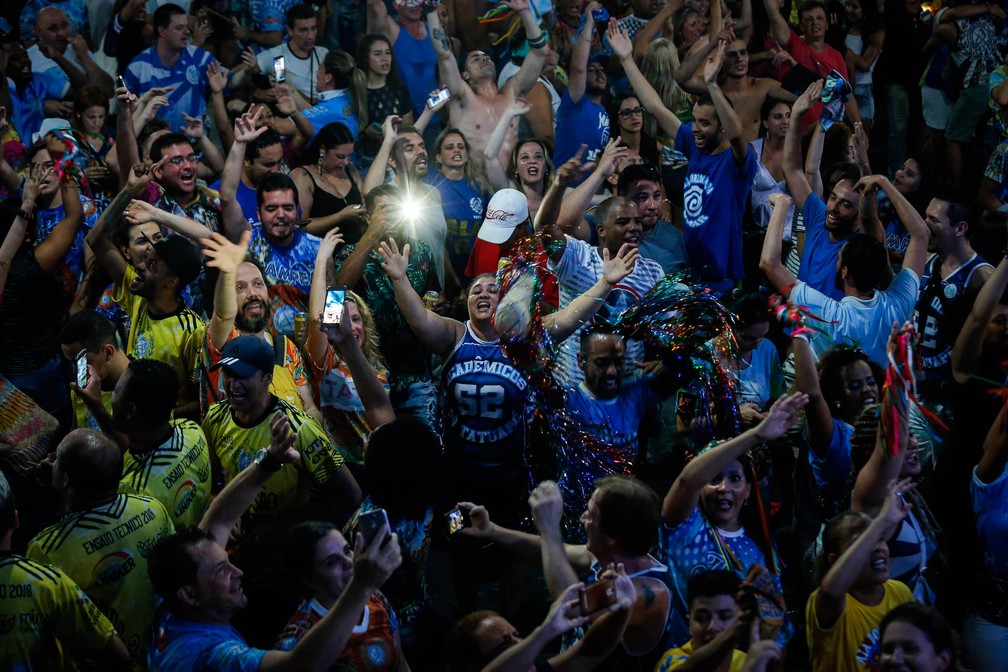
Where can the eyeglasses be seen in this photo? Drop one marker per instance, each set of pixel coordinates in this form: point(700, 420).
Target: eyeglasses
point(179, 160)
point(631, 111)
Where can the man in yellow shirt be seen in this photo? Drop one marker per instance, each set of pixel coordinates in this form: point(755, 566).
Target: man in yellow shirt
point(46, 615)
point(103, 541)
point(87, 330)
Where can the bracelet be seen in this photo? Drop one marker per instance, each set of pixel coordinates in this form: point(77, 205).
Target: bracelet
point(538, 42)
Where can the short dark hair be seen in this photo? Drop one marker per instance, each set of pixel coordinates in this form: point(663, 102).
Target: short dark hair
point(152, 387)
point(90, 329)
point(163, 15)
point(591, 331)
point(930, 622)
point(299, 12)
point(960, 207)
point(604, 208)
point(164, 142)
point(629, 513)
point(843, 170)
point(255, 148)
point(636, 172)
point(381, 191)
point(276, 182)
point(462, 645)
point(867, 263)
point(749, 308)
point(91, 461)
point(403, 464)
point(711, 583)
point(171, 564)
point(839, 529)
point(809, 5)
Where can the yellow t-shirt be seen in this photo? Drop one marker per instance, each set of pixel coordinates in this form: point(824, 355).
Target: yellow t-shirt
point(176, 339)
point(43, 612)
point(84, 418)
point(295, 487)
point(105, 551)
point(852, 644)
point(176, 473)
point(674, 658)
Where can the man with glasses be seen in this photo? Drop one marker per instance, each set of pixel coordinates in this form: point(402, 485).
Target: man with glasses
point(581, 118)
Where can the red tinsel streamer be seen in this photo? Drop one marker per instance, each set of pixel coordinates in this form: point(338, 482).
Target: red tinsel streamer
point(904, 360)
point(65, 164)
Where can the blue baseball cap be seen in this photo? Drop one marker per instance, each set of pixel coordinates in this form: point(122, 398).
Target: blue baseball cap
point(244, 355)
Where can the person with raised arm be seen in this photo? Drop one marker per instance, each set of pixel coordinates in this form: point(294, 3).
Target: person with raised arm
point(720, 174)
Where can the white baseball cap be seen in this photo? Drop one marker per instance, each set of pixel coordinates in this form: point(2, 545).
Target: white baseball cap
point(507, 209)
point(49, 125)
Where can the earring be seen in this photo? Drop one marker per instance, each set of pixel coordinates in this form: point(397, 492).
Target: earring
point(320, 154)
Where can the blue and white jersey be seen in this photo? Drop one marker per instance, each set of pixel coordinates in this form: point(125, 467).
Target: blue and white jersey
point(188, 76)
point(288, 273)
point(487, 406)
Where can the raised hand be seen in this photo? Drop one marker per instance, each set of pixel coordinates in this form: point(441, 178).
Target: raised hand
point(781, 417)
point(374, 563)
point(573, 169)
point(249, 60)
point(141, 174)
point(216, 77)
point(327, 247)
point(441, 103)
point(79, 47)
point(565, 613)
point(546, 504)
point(33, 182)
point(620, 266)
point(141, 212)
point(193, 128)
point(154, 92)
point(391, 125)
point(619, 41)
point(282, 439)
point(285, 101)
point(246, 128)
point(479, 520)
point(807, 100)
point(240, 32)
point(713, 65)
point(614, 152)
point(224, 255)
point(896, 507)
point(394, 263)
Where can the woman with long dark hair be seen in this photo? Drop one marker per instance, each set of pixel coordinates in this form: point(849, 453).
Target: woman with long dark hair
point(386, 94)
point(329, 186)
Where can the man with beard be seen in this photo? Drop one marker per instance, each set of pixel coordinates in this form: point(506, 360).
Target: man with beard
point(149, 292)
point(827, 225)
point(747, 94)
point(581, 118)
point(282, 248)
point(241, 306)
point(660, 240)
point(865, 314)
point(720, 174)
point(476, 104)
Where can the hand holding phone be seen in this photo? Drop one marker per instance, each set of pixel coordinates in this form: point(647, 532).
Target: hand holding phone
point(82, 372)
point(370, 523)
point(438, 97)
point(333, 311)
point(598, 596)
point(279, 69)
point(456, 520)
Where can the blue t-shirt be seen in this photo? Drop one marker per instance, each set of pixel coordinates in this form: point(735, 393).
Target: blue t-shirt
point(190, 646)
point(463, 210)
point(27, 115)
point(246, 197)
point(614, 421)
point(819, 257)
point(48, 218)
point(187, 76)
point(288, 273)
point(990, 504)
point(580, 123)
point(664, 245)
point(690, 548)
point(831, 471)
point(714, 197)
point(417, 62)
point(333, 106)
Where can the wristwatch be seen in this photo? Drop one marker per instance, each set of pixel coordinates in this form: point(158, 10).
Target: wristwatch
point(267, 461)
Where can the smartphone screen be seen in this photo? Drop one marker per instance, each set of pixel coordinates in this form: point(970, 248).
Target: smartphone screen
point(443, 94)
point(333, 311)
point(279, 69)
point(456, 520)
point(370, 522)
point(82, 374)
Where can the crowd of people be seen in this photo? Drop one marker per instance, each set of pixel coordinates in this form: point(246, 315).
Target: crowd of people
point(321, 338)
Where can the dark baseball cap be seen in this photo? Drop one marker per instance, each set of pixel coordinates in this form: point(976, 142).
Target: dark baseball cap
point(244, 355)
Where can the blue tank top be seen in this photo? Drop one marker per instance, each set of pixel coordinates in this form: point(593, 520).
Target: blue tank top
point(417, 66)
point(463, 210)
point(487, 405)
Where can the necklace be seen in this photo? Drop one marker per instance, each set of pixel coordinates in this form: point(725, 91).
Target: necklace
point(335, 187)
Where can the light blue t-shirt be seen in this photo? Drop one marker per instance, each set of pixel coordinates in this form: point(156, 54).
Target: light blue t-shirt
point(188, 646)
point(333, 106)
point(664, 245)
point(763, 380)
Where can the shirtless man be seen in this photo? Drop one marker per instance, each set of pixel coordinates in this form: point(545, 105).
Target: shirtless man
point(476, 104)
point(747, 94)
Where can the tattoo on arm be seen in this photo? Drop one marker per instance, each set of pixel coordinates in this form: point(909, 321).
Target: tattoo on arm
point(647, 594)
point(439, 35)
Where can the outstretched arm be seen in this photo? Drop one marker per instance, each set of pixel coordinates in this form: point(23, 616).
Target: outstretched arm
point(797, 182)
point(376, 173)
point(969, 344)
point(817, 414)
point(920, 235)
point(51, 251)
point(439, 334)
point(730, 123)
point(448, 69)
point(684, 494)
point(647, 34)
point(579, 56)
point(779, 27)
point(532, 66)
point(574, 315)
point(246, 129)
point(572, 210)
point(646, 93)
point(226, 257)
point(495, 172)
point(770, 259)
point(547, 219)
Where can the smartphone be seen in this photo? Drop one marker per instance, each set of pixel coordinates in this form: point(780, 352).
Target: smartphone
point(598, 596)
point(333, 311)
point(376, 127)
point(600, 15)
point(370, 522)
point(82, 374)
point(456, 520)
point(441, 95)
point(121, 83)
point(279, 69)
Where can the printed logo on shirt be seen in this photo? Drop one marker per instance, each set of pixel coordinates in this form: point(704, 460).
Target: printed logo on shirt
point(192, 75)
point(476, 205)
point(869, 650)
point(697, 187)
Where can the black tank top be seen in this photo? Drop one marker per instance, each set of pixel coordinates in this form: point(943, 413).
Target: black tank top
point(325, 203)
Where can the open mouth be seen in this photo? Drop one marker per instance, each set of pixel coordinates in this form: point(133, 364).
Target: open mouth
point(880, 564)
point(912, 458)
point(236, 395)
point(832, 219)
point(533, 171)
point(254, 307)
point(457, 157)
point(482, 305)
point(724, 504)
point(632, 240)
point(187, 176)
point(868, 401)
point(421, 163)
